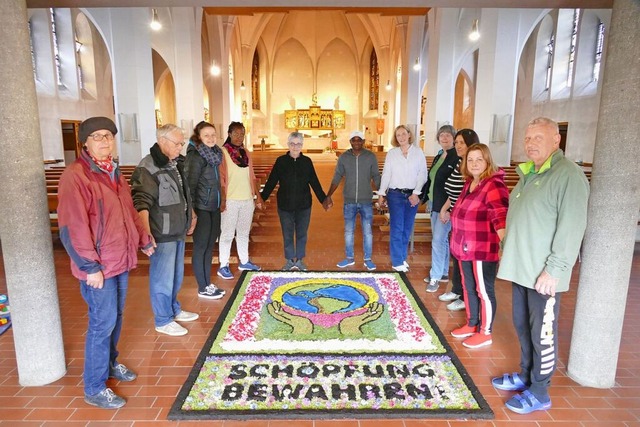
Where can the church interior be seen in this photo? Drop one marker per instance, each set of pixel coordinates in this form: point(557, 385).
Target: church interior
point(324, 71)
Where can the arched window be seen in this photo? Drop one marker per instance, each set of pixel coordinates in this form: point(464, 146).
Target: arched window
point(33, 53)
point(572, 46)
point(598, 52)
point(374, 82)
point(56, 48)
point(549, 50)
point(255, 81)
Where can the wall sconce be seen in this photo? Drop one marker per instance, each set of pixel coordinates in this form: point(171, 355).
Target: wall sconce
point(388, 86)
point(242, 87)
point(416, 65)
point(78, 44)
point(474, 35)
point(215, 70)
point(155, 23)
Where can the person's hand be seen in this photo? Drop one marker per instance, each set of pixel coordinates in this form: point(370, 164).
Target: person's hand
point(194, 221)
point(223, 205)
point(546, 284)
point(327, 204)
point(151, 249)
point(382, 201)
point(95, 280)
point(414, 200)
point(300, 325)
point(445, 216)
point(353, 325)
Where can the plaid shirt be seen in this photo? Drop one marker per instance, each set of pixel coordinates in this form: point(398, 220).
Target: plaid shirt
point(476, 217)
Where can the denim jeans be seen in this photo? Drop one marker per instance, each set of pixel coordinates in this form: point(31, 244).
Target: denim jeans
point(350, 211)
point(439, 246)
point(401, 218)
point(166, 271)
point(204, 239)
point(105, 323)
point(295, 225)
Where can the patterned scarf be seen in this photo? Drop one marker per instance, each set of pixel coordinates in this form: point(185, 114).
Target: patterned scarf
point(106, 165)
point(237, 154)
point(213, 155)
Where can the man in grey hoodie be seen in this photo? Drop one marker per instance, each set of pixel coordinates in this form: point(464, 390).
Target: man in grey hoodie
point(359, 167)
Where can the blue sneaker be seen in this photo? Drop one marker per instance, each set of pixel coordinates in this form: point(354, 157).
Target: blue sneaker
point(346, 262)
point(249, 266)
point(225, 273)
point(369, 264)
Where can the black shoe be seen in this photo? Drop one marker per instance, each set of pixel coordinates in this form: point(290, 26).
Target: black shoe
point(121, 373)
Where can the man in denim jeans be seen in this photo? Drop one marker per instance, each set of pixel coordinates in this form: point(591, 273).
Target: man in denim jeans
point(161, 196)
point(101, 231)
point(359, 167)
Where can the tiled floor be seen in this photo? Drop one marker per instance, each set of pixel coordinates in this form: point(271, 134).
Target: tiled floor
point(163, 362)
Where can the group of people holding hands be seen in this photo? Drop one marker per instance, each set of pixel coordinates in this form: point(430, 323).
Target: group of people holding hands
point(530, 238)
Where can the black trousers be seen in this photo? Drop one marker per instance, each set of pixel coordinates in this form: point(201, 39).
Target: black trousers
point(204, 239)
point(535, 318)
point(478, 284)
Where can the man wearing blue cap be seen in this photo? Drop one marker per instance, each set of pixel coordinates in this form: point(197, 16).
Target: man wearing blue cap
point(359, 167)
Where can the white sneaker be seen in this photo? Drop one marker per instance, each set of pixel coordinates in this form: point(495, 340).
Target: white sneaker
point(448, 297)
point(402, 268)
point(186, 316)
point(457, 305)
point(172, 329)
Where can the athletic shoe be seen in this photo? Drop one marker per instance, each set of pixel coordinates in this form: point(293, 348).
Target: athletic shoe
point(464, 331)
point(406, 264)
point(433, 285)
point(121, 373)
point(477, 340)
point(211, 292)
point(172, 329)
point(346, 263)
point(106, 399)
point(444, 278)
point(300, 265)
point(225, 273)
point(248, 266)
point(186, 316)
point(289, 265)
point(448, 297)
point(456, 305)
point(401, 268)
point(526, 403)
point(369, 264)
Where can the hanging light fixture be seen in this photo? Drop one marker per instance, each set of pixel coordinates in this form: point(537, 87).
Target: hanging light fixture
point(388, 86)
point(474, 35)
point(215, 70)
point(242, 85)
point(416, 65)
point(155, 23)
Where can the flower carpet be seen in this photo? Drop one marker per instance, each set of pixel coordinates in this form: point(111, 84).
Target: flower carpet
point(327, 345)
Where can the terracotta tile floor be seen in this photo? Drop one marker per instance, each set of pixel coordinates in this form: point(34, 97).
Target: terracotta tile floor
point(163, 362)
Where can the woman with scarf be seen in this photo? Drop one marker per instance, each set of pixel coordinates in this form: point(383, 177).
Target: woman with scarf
point(239, 184)
point(202, 167)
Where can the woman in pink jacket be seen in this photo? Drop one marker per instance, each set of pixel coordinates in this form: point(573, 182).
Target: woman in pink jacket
point(478, 221)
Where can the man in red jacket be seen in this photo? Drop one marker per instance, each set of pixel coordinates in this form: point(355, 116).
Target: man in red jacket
point(101, 231)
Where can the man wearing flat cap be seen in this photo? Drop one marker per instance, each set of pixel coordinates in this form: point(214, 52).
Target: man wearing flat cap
point(101, 231)
point(359, 168)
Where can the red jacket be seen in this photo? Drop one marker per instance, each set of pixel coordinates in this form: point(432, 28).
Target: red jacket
point(475, 218)
point(99, 227)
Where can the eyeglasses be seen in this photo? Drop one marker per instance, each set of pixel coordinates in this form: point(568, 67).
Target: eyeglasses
point(177, 144)
point(97, 137)
point(295, 145)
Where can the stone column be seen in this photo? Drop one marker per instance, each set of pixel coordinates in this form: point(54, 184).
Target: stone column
point(613, 208)
point(24, 218)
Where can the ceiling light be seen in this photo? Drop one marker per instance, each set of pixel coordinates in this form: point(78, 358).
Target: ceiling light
point(215, 70)
point(474, 35)
point(416, 66)
point(388, 86)
point(155, 23)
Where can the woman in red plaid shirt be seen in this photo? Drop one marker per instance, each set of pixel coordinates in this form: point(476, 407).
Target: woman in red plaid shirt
point(478, 223)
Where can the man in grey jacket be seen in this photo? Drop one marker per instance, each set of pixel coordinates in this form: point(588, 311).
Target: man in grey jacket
point(359, 167)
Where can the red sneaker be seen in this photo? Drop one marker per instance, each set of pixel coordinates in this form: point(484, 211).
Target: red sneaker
point(477, 340)
point(464, 331)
